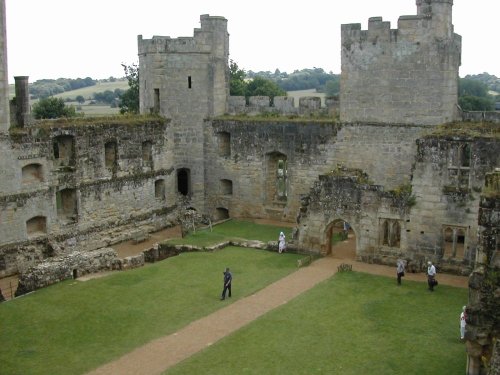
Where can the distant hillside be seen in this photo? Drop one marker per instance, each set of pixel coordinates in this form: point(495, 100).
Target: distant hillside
point(86, 92)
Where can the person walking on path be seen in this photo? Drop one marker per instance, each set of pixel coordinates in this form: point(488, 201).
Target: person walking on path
point(431, 276)
point(281, 243)
point(400, 270)
point(463, 317)
point(228, 278)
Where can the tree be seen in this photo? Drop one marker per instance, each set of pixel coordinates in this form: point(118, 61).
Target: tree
point(476, 103)
point(332, 87)
point(50, 108)
point(264, 87)
point(258, 86)
point(472, 87)
point(129, 101)
point(237, 84)
point(473, 95)
point(80, 99)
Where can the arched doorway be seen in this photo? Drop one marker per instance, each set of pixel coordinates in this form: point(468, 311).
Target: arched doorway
point(340, 240)
point(184, 181)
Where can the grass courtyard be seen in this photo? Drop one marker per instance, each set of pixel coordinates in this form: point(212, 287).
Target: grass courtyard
point(353, 323)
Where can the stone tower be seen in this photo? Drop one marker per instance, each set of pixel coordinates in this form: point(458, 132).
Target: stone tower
point(4, 82)
point(186, 79)
point(407, 75)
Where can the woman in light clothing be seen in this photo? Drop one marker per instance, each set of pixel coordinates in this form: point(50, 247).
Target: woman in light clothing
point(281, 243)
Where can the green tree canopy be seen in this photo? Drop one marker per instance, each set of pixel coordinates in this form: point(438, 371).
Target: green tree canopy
point(473, 95)
point(50, 108)
point(129, 100)
point(258, 86)
point(80, 99)
point(237, 84)
point(332, 87)
point(263, 87)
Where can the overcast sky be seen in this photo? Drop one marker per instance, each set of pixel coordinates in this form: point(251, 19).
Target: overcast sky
point(91, 38)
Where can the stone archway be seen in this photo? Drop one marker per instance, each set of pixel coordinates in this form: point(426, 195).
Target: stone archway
point(340, 240)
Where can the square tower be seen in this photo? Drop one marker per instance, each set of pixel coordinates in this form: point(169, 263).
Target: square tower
point(407, 75)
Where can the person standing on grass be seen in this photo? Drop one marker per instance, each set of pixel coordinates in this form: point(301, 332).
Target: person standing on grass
point(228, 278)
point(463, 317)
point(400, 270)
point(281, 243)
point(431, 276)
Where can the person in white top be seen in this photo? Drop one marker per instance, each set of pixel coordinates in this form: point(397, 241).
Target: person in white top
point(431, 276)
point(281, 243)
point(463, 317)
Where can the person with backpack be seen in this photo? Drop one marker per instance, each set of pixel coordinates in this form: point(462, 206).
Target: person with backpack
point(228, 278)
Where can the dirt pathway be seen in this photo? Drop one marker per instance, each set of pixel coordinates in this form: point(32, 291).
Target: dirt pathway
point(163, 353)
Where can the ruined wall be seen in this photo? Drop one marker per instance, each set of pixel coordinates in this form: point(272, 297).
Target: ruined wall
point(187, 80)
point(384, 153)
point(407, 75)
point(435, 215)
point(483, 307)
point(84, 186)
point(4, 76)
point(447, 181)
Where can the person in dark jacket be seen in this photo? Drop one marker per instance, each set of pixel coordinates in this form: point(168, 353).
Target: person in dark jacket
point(400, 270)
point(228, 278)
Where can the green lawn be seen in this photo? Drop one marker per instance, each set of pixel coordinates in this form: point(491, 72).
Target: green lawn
point(74, 326)
point(354, 323)
point(351, 324)
point(234, 229)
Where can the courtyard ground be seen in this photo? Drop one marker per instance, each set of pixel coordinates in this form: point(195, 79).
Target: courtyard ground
point(163, 353)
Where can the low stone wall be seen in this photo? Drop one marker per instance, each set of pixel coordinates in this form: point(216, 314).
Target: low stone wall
point(479, 116)
point(66, 267)
point(283, 105)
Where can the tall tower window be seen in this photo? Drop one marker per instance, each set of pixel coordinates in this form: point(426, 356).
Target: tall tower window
point(189, 82)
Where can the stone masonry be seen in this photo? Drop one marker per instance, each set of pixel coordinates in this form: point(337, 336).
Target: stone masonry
point(400, 167)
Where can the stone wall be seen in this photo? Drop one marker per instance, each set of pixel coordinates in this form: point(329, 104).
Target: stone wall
point(478, 116)
point(67, 267)
point(483, 308)
point(447, 181)
point(407, 75)
point(187, 80)
point(282, 106)
point(84, 185)
point(4, 77)
point(433, 217)
point(385, 153)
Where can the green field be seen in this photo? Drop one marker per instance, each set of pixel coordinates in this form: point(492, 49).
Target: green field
point(87, 92)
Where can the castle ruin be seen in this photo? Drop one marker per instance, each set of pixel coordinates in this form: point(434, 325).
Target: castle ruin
point(408, 184)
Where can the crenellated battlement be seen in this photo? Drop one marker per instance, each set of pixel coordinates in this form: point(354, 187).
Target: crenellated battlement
point(283, 106)
point(202, 40)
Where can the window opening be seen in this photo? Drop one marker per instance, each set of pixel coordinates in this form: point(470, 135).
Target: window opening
point(224, 139)
point(147, 153)
point(156, 104)
point(226, 187)
point(64, 151)
point(183, 181)
point(160, 189)
point(32, 173)
point(36, 225)
point(67, 205)
point(110, 155)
